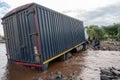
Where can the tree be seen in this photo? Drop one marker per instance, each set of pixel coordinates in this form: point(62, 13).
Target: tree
point(118, 35)
point(95, 30)
point(112, 30)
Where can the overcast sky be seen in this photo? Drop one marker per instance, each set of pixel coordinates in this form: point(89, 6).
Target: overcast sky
point(98, 12)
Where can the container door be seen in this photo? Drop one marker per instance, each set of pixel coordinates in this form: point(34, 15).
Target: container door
point(33, 33)
point(28, 36)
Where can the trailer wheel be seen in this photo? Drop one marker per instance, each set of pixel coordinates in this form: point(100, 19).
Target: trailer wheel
point(68, 55)
point(44, 67)
point(84, 46)
point(65, 57)
point(73, 50)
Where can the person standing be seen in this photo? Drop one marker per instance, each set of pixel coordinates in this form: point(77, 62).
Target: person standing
point(96, 43)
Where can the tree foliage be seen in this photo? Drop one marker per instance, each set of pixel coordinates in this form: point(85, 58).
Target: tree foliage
point(95, 30)
point(111, 31)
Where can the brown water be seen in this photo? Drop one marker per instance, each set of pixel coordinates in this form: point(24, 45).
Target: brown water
point(94, 61)
point(10, 71)
point(3, 61)
point(87, 65)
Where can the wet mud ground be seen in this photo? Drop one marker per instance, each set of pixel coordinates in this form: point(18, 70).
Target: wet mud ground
point(86, 65)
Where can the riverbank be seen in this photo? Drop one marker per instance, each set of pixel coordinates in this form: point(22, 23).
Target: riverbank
point(2, 41)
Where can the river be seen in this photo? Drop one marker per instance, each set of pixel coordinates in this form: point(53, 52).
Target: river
point(3, 61)
point(86, 64)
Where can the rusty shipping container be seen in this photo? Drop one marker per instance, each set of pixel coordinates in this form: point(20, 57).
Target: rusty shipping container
point(36, 35)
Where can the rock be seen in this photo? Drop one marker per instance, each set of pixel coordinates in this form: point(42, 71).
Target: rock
point(72, 76)
point(104, 48)
point(110, 74)
point(50, 73)
point(104, 77)
point(58, 76)
point(63, 78)
point(106, 72)
point(69, 55)
point(115, 72)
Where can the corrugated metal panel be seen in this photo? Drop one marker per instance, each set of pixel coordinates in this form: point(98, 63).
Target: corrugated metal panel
point(11, 41)
point(57, 32)
point(18, 30)
point(36, 26)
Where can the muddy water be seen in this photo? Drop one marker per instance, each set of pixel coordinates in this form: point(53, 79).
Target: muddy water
point(96, 60)
point(10, 71)
point(86, 64)
point(3, 61)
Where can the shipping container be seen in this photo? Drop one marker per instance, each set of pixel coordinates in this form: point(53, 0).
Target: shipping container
point(36, 35)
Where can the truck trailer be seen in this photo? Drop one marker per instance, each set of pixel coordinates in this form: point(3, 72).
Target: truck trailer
point(36, 35)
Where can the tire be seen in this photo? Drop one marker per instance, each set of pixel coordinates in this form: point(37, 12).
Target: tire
point(65, 57)
point(68, 55)
point(84, 46)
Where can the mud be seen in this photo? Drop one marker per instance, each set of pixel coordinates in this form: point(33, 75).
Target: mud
point(87, 65)
point(111, 46)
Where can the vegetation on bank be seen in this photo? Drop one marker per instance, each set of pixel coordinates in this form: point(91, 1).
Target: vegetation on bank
point(1, 37)
point(111, 32)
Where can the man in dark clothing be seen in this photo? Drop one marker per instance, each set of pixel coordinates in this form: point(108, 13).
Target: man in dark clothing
point(96, 43)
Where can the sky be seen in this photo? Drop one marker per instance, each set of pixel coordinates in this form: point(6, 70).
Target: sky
point(91, 12)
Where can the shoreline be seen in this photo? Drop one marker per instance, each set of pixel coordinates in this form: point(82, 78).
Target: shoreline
point(2, 41)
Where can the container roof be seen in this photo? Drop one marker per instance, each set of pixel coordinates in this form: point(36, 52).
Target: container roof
point(18, 9)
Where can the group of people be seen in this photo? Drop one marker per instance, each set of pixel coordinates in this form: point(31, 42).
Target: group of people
point(94, 41)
